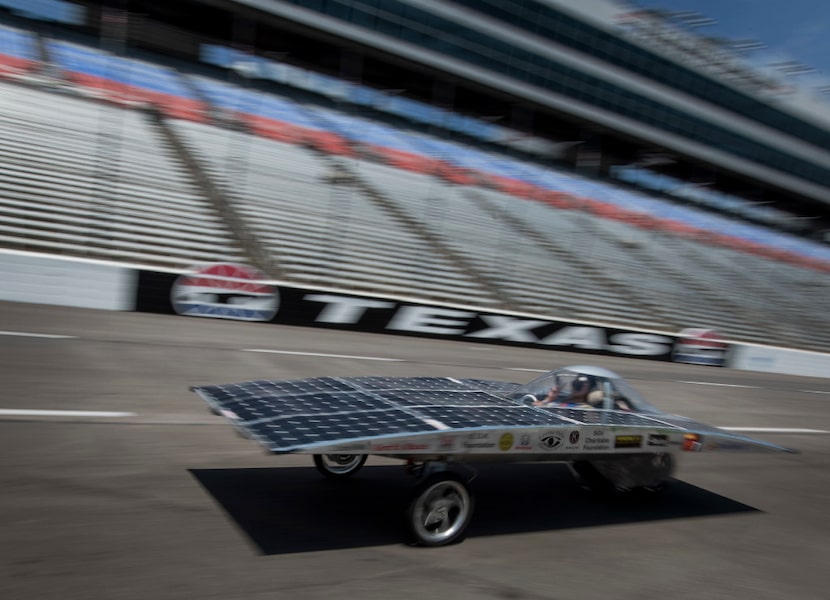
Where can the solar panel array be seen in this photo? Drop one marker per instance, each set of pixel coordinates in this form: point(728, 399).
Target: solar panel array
point(289, 415)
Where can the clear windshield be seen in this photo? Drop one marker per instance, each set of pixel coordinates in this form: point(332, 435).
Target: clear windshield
point(582, 388)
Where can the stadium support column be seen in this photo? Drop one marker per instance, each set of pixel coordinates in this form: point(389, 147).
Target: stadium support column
point(111, 134)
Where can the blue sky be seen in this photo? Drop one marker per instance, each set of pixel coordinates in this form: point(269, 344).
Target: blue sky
point(793, 29)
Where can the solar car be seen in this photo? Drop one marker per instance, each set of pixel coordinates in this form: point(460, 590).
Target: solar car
point(612, 438)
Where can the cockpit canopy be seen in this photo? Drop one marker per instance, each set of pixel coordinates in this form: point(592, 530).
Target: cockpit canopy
point(586, 387)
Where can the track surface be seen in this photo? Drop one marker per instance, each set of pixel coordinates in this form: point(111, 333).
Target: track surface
point(167, 502)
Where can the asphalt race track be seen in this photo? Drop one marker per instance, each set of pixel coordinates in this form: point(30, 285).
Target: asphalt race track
point(135, 491)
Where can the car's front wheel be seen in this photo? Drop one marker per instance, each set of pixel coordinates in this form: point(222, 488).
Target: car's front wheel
point(339, 466)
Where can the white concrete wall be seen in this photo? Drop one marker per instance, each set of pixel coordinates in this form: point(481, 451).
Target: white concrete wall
point(40, 279)
point(749, 357)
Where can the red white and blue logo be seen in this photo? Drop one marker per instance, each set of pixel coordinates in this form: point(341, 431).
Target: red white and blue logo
point(700, 346)
point(225, 291)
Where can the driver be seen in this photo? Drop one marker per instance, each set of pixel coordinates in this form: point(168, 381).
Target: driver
point(583, 394)
point(549, 399)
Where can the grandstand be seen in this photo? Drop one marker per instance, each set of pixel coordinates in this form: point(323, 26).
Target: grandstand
point(155, 158)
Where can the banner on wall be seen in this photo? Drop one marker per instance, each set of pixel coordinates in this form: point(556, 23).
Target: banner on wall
point(229, 292)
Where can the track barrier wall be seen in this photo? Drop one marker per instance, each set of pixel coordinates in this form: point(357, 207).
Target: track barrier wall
point(238, 294)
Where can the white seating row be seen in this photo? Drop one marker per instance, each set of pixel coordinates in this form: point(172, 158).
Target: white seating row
point(81, 176)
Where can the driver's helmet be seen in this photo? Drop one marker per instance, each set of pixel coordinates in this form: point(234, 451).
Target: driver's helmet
point(582, 383)
point(582, 391)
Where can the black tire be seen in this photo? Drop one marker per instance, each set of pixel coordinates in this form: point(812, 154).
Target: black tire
point(440, 510)
point(339, 466)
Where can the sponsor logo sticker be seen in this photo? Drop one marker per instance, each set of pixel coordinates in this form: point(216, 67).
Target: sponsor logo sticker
point(401, 447)
point(658, 439)
point(559, 440)
point(628, 441)
point(446, 443)
point(479, 440)
point(356, 448)
point(524, 442)
point(506, 441)
point(597, 439)
point(551, 440)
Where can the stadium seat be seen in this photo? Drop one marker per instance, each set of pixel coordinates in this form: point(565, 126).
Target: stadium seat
point(18, 52)
point(127, 81)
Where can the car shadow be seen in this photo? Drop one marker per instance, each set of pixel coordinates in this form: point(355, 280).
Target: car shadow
point(291, 510)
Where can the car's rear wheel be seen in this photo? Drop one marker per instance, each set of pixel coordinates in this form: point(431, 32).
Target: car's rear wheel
point(440, 510)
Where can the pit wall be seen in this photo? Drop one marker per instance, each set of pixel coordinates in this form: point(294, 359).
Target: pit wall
point(61, 281)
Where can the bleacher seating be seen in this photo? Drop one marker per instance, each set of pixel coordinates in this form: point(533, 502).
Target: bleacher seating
point(340, 200)
point(18, 51)
point(95, 180)
point(131, 81)
point(321, 233)
point(125, 80)
point(271, 116)
point(574, 264)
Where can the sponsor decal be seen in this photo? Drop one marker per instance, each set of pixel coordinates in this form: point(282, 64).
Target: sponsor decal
point(524, 442)
point(224, 291)
point(597, 439)
point(559, 440)
point(628, 441)
point(697, 346)
point(479, 440)
point(506, 442)
point(658, 439)
point(550, 440)
point(353, 448)
point(447, 443)
point(401, 447)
